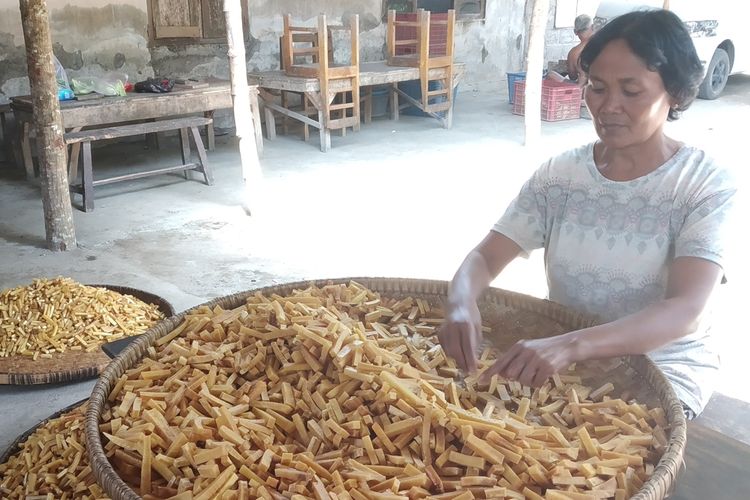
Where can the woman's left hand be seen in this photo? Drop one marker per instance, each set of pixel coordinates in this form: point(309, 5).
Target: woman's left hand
point(532, 362)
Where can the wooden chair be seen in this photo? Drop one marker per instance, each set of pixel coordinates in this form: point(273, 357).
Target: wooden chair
point(310, 41)
point(425, 40)
point(307, 52)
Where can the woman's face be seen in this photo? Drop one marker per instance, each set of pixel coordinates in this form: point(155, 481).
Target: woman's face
point(627, 101)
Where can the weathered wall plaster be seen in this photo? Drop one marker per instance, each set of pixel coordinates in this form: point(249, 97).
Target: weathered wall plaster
point(92, 38)
point(88, 38)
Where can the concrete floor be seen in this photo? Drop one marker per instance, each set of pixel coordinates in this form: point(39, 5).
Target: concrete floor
point(404, 199)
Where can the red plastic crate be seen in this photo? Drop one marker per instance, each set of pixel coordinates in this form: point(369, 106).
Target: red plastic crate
point(560, 101)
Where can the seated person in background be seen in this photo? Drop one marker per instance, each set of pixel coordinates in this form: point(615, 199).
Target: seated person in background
point(583, 28)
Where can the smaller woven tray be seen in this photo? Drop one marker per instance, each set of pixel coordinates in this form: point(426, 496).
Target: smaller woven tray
point(13, 448)
point(71, 365)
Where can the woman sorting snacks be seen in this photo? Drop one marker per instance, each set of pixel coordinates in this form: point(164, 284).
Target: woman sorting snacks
point(634, 226)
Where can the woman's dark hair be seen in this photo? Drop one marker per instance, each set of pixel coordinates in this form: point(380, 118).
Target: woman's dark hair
point(661, 40)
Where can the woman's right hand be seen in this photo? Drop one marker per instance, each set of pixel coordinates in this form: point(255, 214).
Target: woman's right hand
point(461, 333)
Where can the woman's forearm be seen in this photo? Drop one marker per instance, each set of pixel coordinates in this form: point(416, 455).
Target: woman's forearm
point(691, 283)
point(480, 267)
point(471, 278)
point(638, 333)
point(461, 332)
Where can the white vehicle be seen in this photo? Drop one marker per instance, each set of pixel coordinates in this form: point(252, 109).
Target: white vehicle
point(716, 27)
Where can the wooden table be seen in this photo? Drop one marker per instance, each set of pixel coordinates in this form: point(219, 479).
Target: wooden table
point(717, 467)
point(133, 107)
point(374, 73)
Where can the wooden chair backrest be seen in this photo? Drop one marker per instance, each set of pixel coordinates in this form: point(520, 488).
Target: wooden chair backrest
point(307, 43)
point(302, 40)
point(405, 30)
point(314, 45)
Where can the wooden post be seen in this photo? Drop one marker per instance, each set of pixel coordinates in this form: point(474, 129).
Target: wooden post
point(534, 71)
point(666, 5)
point(58, 213)
point(251, 172)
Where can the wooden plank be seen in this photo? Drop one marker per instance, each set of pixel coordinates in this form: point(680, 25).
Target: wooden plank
point(5, 108)
point(715, 466)
point(373, 73)
point(203, 160)
point(423, 32)
point(214, 25)
point(87, 178)
point(257, 126)
point(135, 106)
point(28, 160)
point(176, 18)
point(727, 415)
point(417, 104)
point(210, 135)
point(146, 173)
point(135, 129)
point(292, 114)
point(75, 152)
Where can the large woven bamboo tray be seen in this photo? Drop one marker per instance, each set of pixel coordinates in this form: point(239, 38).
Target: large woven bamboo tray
point(71, 365)
point(511, 316)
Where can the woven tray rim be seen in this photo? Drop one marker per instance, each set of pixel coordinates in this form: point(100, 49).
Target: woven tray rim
point(659, 485)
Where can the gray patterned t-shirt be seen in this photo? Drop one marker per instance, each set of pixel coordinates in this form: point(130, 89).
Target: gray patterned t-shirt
point(608, 244)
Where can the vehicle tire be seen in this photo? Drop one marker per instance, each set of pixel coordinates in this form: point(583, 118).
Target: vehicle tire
point(716, 76)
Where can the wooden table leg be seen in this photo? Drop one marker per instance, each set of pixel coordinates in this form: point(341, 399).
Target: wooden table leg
point(185, 150)
point(306, 110)
point(7, 142)
point(267, 99)
point(3, 131)
point(28, 161)
point(448, 119)
point(325, 133)
point(18, 141)
point(152, 139)
point(270, 124)
point(284, 119)
point(368, 105)
point(210, 136)
point(257, 127)
point(88, 179)
point(75, 152)
point(394, 101)
point(343, 111)
point(205, 167)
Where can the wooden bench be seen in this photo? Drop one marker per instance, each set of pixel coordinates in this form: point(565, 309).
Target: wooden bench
point(184, 125)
